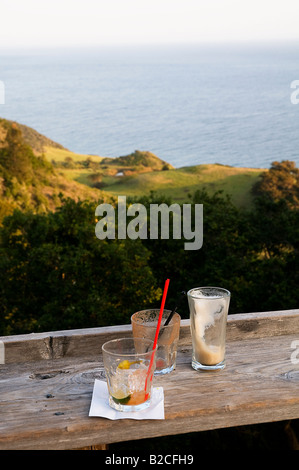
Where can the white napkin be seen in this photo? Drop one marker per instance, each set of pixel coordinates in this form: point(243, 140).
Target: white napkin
point(100, 405)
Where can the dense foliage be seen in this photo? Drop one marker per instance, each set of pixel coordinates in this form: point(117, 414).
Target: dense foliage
point(20, 169)
point(280, 182)
point(56, 274)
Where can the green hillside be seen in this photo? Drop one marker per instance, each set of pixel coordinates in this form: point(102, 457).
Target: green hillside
point(28, 181)
point(141, 172)
point(35, 171)
point(31, 137)
point(96, 171)
point(139, 160)
point(178, 183)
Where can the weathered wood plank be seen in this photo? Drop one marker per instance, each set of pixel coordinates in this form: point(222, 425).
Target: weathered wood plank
point(87, 342)
point(95, 447)
point(45, 404)
point(262, 324)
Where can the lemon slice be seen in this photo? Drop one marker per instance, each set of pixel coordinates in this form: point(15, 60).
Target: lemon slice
point(126, 364)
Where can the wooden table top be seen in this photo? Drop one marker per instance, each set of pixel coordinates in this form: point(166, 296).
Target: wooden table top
point(47, 380)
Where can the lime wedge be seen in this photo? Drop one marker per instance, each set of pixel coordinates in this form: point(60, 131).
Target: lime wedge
point(121, 400)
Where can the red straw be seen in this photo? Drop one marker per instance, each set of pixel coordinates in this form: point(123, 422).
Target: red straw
point(157, 330)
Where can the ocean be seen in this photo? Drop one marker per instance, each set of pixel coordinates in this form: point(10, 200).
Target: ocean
point(228, 104)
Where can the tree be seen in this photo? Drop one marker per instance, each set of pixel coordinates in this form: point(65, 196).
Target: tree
point(16, 157)
point(280, 182)
point(55, 274)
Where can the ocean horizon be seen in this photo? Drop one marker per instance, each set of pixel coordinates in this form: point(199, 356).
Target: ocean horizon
point(187, 104)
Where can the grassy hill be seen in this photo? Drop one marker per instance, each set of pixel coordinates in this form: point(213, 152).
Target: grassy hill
point(96, 171)
point(31, 137)
point(34, 171)
point(28, 181)
point(179, 183)
point(141, 172)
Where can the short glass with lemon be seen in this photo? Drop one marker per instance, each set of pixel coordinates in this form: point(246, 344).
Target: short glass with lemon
point(129, 366)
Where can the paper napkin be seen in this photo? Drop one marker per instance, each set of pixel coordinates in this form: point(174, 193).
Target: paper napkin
point(100, 405)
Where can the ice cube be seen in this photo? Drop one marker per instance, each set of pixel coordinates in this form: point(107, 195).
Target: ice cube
point(137, 379)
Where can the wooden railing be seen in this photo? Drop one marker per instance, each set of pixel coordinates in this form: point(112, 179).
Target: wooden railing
point(47, 379)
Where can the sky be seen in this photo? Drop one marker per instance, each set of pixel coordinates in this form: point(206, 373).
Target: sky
point(56, 23)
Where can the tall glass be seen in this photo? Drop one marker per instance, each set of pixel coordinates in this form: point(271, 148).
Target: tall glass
point(129, 366)
point(208, 317)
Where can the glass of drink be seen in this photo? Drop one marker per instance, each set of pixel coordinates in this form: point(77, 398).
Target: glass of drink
point(144, 325)
point(208, 317)
point(129, 365)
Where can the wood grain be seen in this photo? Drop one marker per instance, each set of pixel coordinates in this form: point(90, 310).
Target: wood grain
point(44, 402)
point(88, 342)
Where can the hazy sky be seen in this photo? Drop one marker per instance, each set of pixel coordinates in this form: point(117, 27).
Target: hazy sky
point(96, 22)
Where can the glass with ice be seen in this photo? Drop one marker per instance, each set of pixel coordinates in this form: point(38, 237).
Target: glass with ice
point(144, 325)
point(129, 366)
point(208, 317)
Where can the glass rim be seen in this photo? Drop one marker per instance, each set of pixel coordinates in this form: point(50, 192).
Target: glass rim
point(221, 290)
point(125, 354)
point(176, 315)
